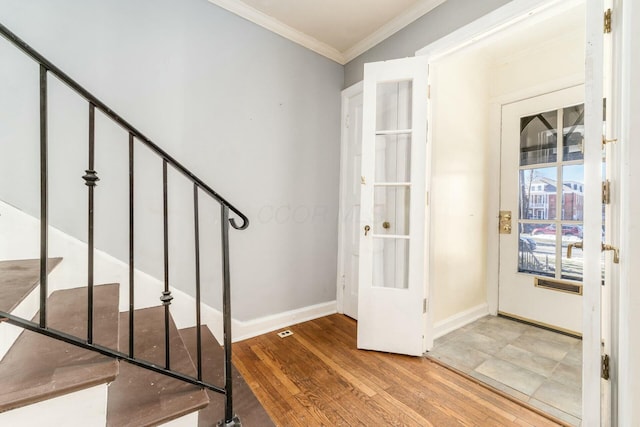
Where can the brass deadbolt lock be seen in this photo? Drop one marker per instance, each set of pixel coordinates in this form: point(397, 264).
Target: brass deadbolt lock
point(505, 222)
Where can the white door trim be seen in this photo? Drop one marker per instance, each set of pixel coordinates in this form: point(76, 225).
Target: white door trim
point(626, 18)
point(502, 18)
point(346, 95)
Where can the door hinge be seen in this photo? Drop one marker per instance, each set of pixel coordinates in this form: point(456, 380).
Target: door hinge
point(606, 192)
point(604, 367)
point(607, 21)
point(347, 121)
point(428, 91)
point(425, 305)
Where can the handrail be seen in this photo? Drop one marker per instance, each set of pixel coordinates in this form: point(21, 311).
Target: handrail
point(33, 54)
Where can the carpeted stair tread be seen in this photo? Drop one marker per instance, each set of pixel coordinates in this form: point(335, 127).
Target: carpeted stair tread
point(18, 278)
point(37, 367)
point(245, 403)
point(140, 397)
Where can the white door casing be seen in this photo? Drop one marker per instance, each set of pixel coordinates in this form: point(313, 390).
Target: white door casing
point(517, 294)
point(592, 413)
point(393, 218)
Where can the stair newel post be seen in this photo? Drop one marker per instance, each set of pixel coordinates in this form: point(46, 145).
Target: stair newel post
point(230, 419)
point(90, 179)
point(44, 202)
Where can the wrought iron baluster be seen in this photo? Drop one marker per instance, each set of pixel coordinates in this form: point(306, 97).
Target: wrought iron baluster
point(44, 197)
point(166, 295)
point(229, 416)
point(131, 248)
point(90, 179)
point(196, 223)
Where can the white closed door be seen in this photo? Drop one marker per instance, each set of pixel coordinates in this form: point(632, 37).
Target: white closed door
point(542, 197)
point(393, 215)
point(350, 204)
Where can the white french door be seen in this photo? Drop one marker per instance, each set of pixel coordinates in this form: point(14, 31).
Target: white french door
point(393, 211)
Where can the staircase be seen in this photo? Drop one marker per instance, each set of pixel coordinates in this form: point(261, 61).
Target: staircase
point(73, 357)
point(92, 389)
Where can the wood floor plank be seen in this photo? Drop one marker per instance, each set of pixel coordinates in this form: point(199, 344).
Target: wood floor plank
point(318, 377)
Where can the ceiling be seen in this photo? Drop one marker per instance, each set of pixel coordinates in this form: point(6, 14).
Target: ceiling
point(338, 29)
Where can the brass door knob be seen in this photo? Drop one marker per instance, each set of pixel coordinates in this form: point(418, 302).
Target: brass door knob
point(386, 225)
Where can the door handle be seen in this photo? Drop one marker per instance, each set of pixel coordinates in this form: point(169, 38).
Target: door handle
point(616, 252)
point(366, 229)
point(604, 247)
point(577, 245)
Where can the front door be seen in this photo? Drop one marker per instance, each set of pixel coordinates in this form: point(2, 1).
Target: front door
point(542, 210)
point(393, 183)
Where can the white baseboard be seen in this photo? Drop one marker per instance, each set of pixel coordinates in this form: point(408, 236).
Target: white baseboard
point(459, 320)
point(17, 226)
point(252, 328)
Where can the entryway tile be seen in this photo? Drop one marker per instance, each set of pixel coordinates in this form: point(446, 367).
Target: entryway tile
point(529, 363)
point(460, 356)
point(570, 375)
point(564, 397)
point(528, 360)
point(550, 349)
point(511, 375)
point(480, 342)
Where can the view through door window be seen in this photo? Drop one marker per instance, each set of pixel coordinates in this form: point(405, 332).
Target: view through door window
point(551, 197)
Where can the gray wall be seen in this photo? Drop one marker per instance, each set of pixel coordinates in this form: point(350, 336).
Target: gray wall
point(441, 21)
point(254, 115)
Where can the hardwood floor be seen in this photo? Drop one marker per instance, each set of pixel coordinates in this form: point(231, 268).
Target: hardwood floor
point(317, 377)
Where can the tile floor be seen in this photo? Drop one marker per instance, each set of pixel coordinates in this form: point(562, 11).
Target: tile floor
point(540, 367)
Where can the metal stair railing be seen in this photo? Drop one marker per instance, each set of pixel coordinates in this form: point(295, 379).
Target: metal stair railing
point(91, 179)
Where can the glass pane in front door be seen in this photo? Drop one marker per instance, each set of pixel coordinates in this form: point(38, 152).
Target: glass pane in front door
point(551, 195)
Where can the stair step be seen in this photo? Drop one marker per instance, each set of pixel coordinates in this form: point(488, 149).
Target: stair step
point(139, 397)
point(37, 367)
point(245, 403)
point(18, 278)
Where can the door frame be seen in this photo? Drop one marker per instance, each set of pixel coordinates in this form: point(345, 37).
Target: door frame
point(345, 96)
point(502, 18)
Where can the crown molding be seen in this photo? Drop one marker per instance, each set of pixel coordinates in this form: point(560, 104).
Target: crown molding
point(272, 24)
point(390, 28)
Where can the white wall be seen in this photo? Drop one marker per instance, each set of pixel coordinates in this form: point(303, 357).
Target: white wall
point(558, 61)
point(459, 185)
point(252, 114)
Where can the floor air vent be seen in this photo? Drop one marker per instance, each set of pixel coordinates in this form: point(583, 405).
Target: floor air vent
point(559, 285)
